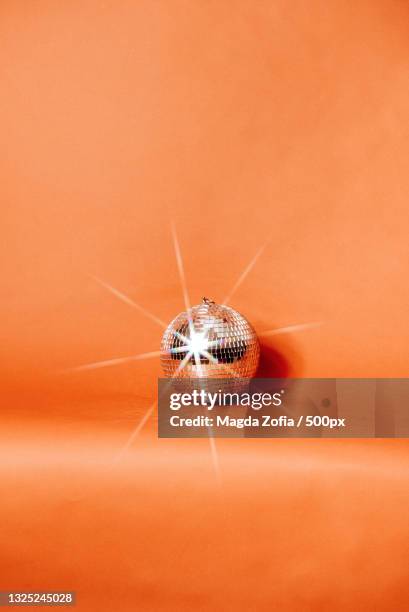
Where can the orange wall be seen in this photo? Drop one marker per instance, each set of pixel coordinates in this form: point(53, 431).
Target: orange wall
point(272, 121)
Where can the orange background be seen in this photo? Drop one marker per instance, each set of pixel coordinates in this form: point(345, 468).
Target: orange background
point(243, 123)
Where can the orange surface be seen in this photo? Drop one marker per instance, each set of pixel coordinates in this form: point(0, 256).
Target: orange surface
point(245, 123)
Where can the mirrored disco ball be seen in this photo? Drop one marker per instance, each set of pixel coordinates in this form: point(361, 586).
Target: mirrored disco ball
point(217, 342)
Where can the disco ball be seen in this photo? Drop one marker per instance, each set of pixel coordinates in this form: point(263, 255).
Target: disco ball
point(210, 341)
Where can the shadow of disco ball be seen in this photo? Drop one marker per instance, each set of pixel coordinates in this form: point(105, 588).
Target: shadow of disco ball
point(210, 341)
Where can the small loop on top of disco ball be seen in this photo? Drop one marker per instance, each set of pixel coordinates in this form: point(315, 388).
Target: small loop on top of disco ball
point(206, 300)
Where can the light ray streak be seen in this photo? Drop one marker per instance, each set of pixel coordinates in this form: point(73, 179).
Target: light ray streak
point(243, 275)
point(148, 413)
point(181, 270)
point(116, 361)
point(184, 349)
point(182, 276)
point(289, 329)
point(135, 432)
point(127, 300)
